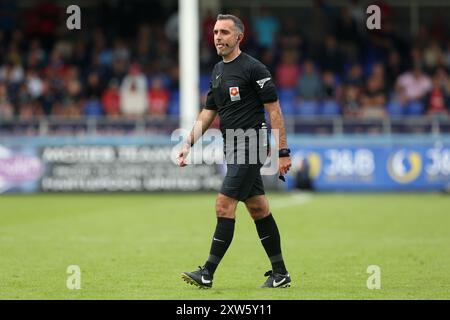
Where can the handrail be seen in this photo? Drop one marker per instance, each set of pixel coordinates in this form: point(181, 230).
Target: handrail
point(294, 124)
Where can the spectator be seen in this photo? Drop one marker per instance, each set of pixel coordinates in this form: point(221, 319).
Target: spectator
point(309, 85)
point(447, 55)
point(288, 71)
point(34, 84)
point(111, 99)
point(265, 27)
point(373, 98)
point(437, 101)
point(159, 98)
point(413, 85)
point(432, 56)
point(94, 87)
point(351, 100)
point(73, 87)
point(27, 108)
point(12, 73)
point(355, 75)
point(330, 88)
point(6, 107)
point(133, 93)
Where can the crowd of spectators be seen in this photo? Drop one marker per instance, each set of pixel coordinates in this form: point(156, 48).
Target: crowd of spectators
point(338, 67)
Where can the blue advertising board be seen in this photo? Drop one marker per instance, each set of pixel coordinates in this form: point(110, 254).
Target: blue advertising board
point(376, 168)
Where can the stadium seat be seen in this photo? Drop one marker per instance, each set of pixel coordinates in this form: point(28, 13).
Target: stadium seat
point(415, 108)
point(93, 108)
point(204, 82)
point(395, 109)
point(330, 108)
point(308, 108)
point(174, 103)
point(287, 101)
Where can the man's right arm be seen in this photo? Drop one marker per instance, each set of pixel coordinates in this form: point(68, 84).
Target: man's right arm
point(204, 120)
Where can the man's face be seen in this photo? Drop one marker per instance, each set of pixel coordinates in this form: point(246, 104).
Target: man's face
point(225, 37)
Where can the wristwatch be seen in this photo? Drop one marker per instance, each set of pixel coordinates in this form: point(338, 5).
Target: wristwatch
point(282, 153)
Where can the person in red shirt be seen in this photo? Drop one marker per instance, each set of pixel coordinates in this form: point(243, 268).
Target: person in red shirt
point(111, 99)
point(159, 98)
point(437, 98)
point(288, 71)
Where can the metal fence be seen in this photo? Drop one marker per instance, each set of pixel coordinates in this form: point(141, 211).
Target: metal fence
point(48, 126)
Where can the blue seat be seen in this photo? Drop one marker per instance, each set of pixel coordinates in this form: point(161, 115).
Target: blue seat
point(308, 108)
point(204, 82)
point(395, 109)
point(93, 108)
point(174, 103)
point(287, 100)
point(330, 108)
point(415, 108)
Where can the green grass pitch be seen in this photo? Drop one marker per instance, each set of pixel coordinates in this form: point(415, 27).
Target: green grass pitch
point(136, 246)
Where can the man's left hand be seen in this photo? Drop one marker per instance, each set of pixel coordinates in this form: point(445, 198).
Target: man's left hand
point(284, 164)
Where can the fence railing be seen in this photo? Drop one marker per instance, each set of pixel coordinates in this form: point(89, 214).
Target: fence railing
point(294, 125)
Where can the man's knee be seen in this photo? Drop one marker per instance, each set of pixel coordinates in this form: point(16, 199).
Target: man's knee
point(258, 207)
point(225, 207)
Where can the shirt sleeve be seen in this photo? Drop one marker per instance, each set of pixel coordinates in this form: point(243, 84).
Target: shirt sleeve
point(263, 84)
point(210, 103)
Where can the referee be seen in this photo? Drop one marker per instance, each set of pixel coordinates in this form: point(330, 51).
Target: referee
point(241, 88)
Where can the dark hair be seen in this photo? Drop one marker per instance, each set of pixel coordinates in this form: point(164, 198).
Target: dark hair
point(237, 22)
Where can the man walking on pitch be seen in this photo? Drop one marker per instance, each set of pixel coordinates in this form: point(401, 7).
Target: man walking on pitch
point(241, 89)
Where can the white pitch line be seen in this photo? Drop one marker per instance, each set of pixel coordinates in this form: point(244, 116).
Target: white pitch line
point(291, 201)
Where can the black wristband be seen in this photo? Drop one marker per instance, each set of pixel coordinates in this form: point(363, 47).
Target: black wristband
point(282, 153)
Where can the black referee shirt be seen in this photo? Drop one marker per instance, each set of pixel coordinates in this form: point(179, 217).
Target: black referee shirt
point(238, 90)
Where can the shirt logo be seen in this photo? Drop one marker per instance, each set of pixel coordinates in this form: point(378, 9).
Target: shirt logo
point(262, 82)
point(234, 94)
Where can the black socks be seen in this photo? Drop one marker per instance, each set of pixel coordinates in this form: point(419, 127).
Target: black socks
point(270, 239)
point(221, 241)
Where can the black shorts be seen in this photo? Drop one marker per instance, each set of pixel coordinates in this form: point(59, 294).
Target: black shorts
point(242, 181)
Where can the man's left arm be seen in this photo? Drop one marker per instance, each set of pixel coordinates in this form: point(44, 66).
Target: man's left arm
point(279, 132)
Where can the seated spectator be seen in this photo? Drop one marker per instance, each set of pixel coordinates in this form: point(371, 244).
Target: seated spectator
point(437, 101)
point(133, 93)
point(309, 86)
point(351, 100)
point(159, 98)
point(432, 56)
point(34, 84)
point(330, 88)
point(373, 99)
point(288, 71)
point(93, 86)
point(111, 99)
point(6, 107)
point(355, 75)
point(413, 85)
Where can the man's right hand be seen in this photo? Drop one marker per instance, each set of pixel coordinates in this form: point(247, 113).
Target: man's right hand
point(182, 155)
